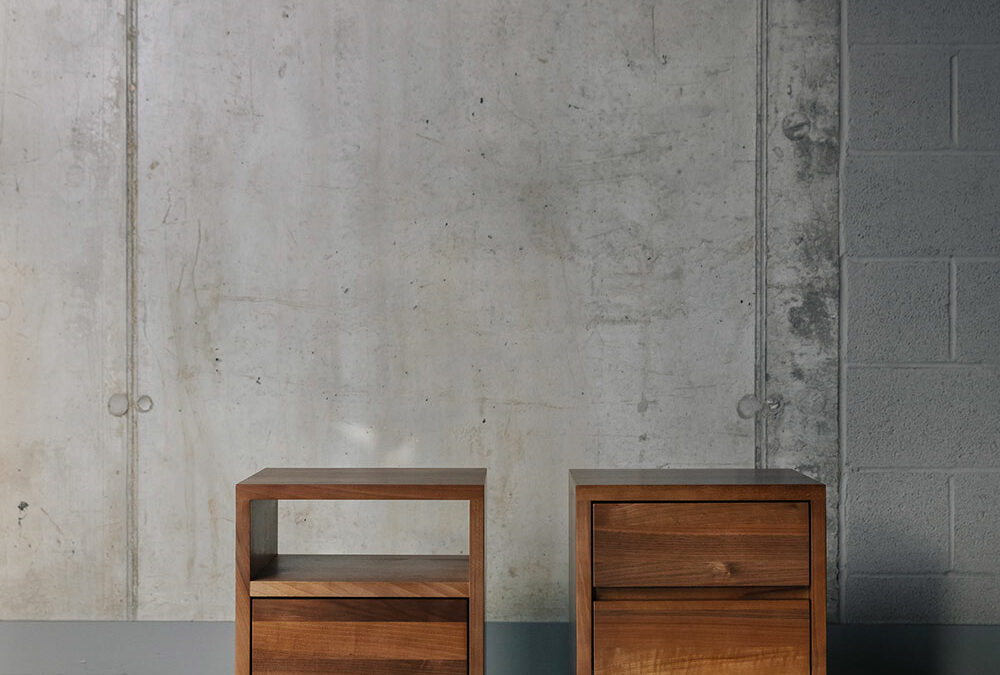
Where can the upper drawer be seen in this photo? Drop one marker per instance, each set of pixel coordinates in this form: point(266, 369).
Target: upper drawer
point(701, 544)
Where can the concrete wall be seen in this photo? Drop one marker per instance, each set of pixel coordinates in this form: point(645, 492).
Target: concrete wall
point(506, 233)
point(62, 309)
point(511, 234)
point(921, 381)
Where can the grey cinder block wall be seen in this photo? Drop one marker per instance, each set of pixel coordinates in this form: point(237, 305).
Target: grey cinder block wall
point(921, 282)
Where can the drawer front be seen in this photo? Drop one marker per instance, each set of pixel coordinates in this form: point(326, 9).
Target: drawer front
point(702, 637)
point(359, 636)
point(701, 544)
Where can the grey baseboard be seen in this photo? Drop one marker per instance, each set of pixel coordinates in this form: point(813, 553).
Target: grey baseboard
point(206, 648)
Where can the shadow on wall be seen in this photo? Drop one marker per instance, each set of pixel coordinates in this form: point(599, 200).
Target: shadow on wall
point(528, 648)
point(893, 585)
point(870, 649)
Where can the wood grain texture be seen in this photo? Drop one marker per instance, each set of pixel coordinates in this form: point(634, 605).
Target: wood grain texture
point(709, 593)
point(242, 616)
point(582, 583)
point(337, 635)
point(760, 604)
point(379, 483)
point(256, 546)
point(393, 610)
point(320, 634)
point(702, 637)
point(701, 544)
point(477, 584)
point(357, 576)
point(263, 534)
point(817, 586)
point(297, 665)
point(627, 478)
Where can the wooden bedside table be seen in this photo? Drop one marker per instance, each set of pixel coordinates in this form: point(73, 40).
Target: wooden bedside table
point(353, 614)
point(701, 572)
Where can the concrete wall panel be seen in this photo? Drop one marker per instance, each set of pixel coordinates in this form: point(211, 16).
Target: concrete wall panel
point(901, 522)
point(62, 310)
point(798, 341)
point(914, 204)
point(977, 306)
point(885, 82)
point(922, 417)
point(898, 311)
point(507, 234)
point(978, 93)
point(921, 391)
point(977, 521)
point(923, 21)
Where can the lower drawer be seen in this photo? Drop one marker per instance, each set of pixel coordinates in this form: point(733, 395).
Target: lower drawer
point(711, 637)
point(359, 636)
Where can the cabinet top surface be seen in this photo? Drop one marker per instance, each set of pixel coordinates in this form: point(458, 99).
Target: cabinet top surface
point(377, 476)
point(689, 477)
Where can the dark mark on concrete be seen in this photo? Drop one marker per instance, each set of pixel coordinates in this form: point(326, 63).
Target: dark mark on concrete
point(796, 126)
point(811, 319)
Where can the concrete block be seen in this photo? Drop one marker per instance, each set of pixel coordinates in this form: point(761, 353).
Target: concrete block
point(978, 97)
point(897, 522)
point(978, 312)
point(936, 599)
point(900, 99)
point(916, 21)
point(918, 205)
point(897, 311)
point(977, 522)
point(922, 417)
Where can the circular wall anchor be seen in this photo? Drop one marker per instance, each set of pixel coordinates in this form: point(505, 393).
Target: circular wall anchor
point(118, 404)
point(748, 406)
point(144, 404)
point(796, 126)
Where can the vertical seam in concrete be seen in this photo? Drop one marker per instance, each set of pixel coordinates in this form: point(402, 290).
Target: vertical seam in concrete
point(951, 523)
point(842, 400)
point(131, 177)
point(760, 326)
point(954, 100)
point(952, 309)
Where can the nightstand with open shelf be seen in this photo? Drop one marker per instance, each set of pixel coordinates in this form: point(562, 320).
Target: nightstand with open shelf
point(351, 614)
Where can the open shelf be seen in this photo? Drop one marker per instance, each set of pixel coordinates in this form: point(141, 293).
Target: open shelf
point(360, 613)
point(363, 576)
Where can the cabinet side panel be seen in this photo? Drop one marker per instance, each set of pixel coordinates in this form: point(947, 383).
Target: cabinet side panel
point(817, 589)
point(583, 587)
point(477, 585)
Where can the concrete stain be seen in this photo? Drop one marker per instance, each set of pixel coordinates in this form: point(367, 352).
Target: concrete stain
point(811, 319)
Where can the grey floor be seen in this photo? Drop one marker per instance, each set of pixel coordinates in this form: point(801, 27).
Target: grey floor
point(157, 648)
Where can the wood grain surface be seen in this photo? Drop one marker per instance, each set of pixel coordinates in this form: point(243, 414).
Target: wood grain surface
point(360, 576)
point(713, 637)
point(477, 584)
point(378, 483)
point(733, 568)
point(701, 544)
point(315, 636)
point(360, 635)
point(627, 478)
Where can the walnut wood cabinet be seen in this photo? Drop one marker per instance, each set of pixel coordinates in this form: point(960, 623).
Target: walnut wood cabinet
point(701, 572)
point(357, 614)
